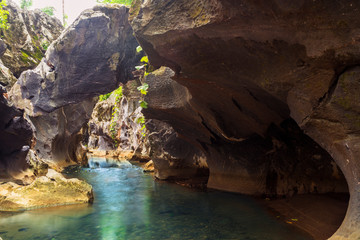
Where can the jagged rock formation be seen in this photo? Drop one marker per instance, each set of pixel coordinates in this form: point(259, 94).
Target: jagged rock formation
point(285, 162)
point(91, 57)
point(173, 157)
point(114, 128)
point(15, 138)
point(251, 69)
point(28, 35)
point(46, 191)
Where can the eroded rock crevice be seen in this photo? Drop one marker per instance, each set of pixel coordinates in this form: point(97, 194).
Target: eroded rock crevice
point(335, 126)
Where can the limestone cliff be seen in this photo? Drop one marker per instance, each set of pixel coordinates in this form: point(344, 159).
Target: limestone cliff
point(91, 57)
point(27, 38)
point(261, 74)
point(115, 127)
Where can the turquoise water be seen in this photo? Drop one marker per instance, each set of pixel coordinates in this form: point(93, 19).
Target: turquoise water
point(131, 205)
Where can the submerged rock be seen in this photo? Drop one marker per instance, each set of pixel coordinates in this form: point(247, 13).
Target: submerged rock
point(46, 191)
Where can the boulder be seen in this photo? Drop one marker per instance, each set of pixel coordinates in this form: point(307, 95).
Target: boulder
point(46, 191)
point(261, 75)
point(149, 166)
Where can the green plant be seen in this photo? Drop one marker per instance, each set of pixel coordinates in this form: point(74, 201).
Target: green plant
point(125, 2)
point(3, 15)
point(143, 104)
point(118, 94)
point(45, 45)
point(138, 49)
point(114, 115)
point(104, 97)
point(48, 10)
point(25, 4)
point(65, 18)
point(143, 88)
point(144, 59)
point(141, 121)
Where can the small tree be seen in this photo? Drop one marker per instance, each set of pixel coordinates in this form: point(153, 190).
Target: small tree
point(125, 2)
point(48, 10)
point(3, 15)
point(25, 4)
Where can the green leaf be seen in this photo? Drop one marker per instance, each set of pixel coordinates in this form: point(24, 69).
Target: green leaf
point(143, 104)
point(48, 10)
point(141, 120)
point(143, 88)
point(144, 59)
point(139, 67)
point(125, 2)
point(139, 49)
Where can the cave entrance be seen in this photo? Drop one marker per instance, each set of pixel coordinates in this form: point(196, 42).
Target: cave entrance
point(312, 192)
point(296, 176)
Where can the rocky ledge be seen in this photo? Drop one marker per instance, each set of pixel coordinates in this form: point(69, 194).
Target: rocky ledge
point(46, 191)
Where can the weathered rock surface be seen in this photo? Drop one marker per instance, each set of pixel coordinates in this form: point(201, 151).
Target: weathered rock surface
point(252, 66)
point(115, 129)
point(7, 79)
point(46, 191)
point(15, 138)
point(29, 34)
point(149, 166)
point(91, 57)
point(284, 162)
point(173, 157)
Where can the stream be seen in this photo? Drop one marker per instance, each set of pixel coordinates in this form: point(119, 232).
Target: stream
point(131, 205)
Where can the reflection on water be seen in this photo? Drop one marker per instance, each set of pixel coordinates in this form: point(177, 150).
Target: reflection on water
point(130, 205)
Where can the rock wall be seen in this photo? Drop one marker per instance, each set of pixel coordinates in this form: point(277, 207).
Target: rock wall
point(91, 57)
point(251, 69)
point(115, 128)
point(16, 136)
point(282, 162)
point(28, 35)
point(168, 102)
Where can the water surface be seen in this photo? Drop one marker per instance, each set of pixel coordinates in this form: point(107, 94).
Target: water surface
point(131, 205)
